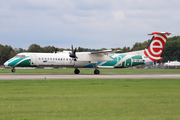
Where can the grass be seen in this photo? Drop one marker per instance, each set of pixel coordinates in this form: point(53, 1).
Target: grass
point(110, 99)
point(121, 70)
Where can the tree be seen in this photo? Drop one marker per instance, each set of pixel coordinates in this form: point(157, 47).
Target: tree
point(171, 49)
point(140, 46)
point(48, 49)
point(125, 49)
point(6, 52)
point(102, 49)
point(19, 50)
point(80, 49)
point(34, 48)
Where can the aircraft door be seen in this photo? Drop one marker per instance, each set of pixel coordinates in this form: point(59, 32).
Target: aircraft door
point(129, 62)
point(33, 59)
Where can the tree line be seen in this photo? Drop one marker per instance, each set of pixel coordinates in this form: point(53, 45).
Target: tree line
point(171, 50)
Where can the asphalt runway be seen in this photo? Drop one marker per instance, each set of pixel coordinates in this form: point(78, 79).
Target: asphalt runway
point(90, 76)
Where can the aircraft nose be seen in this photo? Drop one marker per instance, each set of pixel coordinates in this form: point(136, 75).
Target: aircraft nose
point(6, 64)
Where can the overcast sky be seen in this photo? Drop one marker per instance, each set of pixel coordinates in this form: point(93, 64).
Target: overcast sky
point(85, 23)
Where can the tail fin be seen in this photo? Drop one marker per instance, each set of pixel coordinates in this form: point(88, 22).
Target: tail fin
point(156, 45)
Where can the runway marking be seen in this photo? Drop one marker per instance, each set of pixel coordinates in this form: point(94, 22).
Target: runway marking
point(90, 76)
point(170, 75)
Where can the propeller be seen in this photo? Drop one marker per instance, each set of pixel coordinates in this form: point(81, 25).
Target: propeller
point(73, 53)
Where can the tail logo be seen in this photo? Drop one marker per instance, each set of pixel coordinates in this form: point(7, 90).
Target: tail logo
point(156, 46)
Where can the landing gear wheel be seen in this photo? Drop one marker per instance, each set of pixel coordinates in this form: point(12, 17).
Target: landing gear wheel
point(13, 70)
point(76, 71)
point(96, 71)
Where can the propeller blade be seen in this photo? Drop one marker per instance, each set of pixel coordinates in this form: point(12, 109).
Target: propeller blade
point(73, 53)
point(72, 48)
point(75, 50)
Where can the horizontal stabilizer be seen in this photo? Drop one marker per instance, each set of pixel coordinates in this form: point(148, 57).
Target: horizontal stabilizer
point(160, 33)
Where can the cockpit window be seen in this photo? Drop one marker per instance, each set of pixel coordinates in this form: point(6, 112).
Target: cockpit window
point(20, 56)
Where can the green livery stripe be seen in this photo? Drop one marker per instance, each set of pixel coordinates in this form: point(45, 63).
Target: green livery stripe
point(137, 63)
point(109, 63)
point(15, 62)
point(22, 62)
point(25, 63)
point(137, 57)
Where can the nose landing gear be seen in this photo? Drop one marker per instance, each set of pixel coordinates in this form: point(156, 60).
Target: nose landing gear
point(96, 71)
point(13, 69)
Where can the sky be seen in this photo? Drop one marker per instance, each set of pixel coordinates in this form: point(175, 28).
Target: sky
point(85, 23)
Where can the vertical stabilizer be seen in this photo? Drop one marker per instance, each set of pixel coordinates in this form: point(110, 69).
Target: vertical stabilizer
point(156, 45)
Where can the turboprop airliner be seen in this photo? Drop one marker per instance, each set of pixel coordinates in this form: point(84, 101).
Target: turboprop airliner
point(99, 59)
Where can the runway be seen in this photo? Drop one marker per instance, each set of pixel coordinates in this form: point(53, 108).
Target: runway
point(90, 76)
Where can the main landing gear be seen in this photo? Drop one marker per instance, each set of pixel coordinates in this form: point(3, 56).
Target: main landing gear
point(96, 71)
point(76, 71)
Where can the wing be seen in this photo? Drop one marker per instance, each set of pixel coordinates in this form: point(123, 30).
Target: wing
point(105, 52)
point(94, 56)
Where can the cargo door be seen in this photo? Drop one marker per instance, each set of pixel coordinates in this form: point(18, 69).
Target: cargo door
point(129, 62)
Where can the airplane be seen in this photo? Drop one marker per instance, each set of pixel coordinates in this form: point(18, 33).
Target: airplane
point(172, 63)
point(99, 59)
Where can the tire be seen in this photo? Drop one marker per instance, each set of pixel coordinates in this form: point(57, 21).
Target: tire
point(96, 71)
point(13, 70)
point(76, 71)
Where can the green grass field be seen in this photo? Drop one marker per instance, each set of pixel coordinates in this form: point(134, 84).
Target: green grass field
point(122, 70)
point(110, 99)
